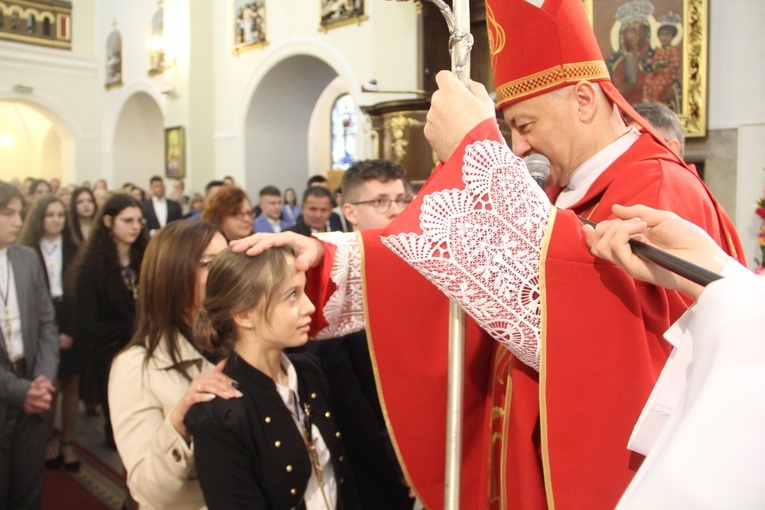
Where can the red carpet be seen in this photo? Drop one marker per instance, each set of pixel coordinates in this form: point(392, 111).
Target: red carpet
point(96, 486)
point(62, 492)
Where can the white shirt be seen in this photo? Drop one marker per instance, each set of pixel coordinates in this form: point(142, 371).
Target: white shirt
point(276, 226)
point(54, 264)
point(160, 209)
point(9, 309)
point(313, 497)
point(585, 175)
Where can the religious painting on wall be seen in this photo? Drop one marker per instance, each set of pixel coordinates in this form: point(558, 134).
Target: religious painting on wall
point(175, 152)
point(114, 60)
point(41, 22)
point(656, 51)
point(336, 13)
point(157, 43)
point(249, 24)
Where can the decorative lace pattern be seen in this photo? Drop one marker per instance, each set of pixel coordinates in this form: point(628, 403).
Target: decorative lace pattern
point(481, 246)
point(344, 310)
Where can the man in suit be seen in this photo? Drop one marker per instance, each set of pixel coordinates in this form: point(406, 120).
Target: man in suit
point(376, 192)
point(270, 217)
point(159, 211)
point(28, 361)
point(317, 209)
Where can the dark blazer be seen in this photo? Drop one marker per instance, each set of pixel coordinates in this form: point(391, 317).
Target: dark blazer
point(38, 326)
point(173, 213)
point(248, 452)
point(376, 472)
point(72, 359)
point(104, 317)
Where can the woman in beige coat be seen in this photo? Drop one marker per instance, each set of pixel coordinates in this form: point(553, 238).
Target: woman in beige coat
point(161, 373)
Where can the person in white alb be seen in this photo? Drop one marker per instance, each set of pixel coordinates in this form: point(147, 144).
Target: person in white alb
point(702, 428)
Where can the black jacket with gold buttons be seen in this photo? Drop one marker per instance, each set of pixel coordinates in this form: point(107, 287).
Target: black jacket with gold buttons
point(248, 451)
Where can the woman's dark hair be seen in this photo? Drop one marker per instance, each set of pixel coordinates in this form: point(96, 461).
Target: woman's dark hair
point(294, 197)
point(33, 231)
point(100, 254)
point(74, 219)
point(36, 184)
point(168, 283)
point(7, 193)
point(237, 283)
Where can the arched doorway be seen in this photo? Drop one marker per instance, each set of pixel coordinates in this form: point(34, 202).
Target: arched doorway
point(138, 143)
point(30, 142)
point(279, 127)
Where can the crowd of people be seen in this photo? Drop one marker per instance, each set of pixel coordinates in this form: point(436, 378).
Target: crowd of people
point(126, 281)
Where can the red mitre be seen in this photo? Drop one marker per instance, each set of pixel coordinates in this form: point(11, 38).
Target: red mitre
point(538, 49)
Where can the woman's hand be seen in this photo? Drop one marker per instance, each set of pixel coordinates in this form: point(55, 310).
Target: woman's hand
point(65, 341)
point(203, 388)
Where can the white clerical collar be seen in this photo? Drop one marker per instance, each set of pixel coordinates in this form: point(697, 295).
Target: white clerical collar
point(585, 175)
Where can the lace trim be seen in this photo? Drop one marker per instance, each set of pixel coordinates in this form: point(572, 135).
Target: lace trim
point(481, 246)
point(344, 310)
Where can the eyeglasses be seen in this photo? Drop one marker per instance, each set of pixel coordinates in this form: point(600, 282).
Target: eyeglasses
point(206, 261)
point(381, 205)
point(244, 215)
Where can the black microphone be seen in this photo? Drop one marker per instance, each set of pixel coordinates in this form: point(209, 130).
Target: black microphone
point(539, 168)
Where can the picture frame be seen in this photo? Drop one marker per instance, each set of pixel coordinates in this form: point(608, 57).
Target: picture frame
point(113, 60)
point(337, 13)
point(175, 152)
point(656, 50)
point(249, 24)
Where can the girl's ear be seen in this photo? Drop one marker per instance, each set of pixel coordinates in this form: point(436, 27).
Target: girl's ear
point(245, 319)
point(108, 220)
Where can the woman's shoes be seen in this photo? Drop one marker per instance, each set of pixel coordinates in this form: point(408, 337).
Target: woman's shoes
point(61, 454)
point(53, 457)
point(70, 460)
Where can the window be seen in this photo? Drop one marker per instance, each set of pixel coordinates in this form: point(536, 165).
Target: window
point(344, 132)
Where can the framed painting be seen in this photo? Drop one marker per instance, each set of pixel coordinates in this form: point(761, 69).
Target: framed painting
point(249, 24)
point(336, 13)
point(175, 152)
point(656, 50)
point(114, 60)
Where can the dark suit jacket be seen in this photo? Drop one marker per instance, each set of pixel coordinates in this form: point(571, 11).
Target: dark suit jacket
point(173, 213)
point(248, 452)
point(350, 375)
point(38, 326)
point(301, 228)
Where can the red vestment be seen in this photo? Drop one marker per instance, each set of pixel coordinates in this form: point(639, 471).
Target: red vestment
point(557, 437)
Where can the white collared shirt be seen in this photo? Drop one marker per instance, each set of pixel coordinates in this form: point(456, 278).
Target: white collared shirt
point(313, 497)
point(54, 264)
point(585, 175)
point(160, 209)
point(276, 225)
point(9, 309)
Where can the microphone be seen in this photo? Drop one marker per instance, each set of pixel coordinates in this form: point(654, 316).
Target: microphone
point(539, 168)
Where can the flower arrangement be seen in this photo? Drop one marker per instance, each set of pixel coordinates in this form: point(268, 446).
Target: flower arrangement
point(760, 211)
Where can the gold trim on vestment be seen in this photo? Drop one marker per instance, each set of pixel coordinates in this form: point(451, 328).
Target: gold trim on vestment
point(551, 78)
point(543, 362)
point(372, 357)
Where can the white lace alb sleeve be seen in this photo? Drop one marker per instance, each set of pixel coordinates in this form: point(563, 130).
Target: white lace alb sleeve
point(344, 310)
point(481, 246)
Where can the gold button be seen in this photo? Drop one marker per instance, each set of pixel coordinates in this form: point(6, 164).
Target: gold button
point(278, 444)
point(337, 434)
point(293, 491)
point(327, 414)
point(341, 458)
point(268, 419)
point(289, 468)
point(342, 480)
point(176, 455)
point(313, 395)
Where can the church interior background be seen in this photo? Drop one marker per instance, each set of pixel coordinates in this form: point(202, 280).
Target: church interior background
point(274, 91)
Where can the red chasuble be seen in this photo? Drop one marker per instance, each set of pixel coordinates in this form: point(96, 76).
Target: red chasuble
point(557, 437)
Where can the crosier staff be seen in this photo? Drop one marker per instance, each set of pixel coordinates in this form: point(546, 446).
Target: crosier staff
point(460, 44)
